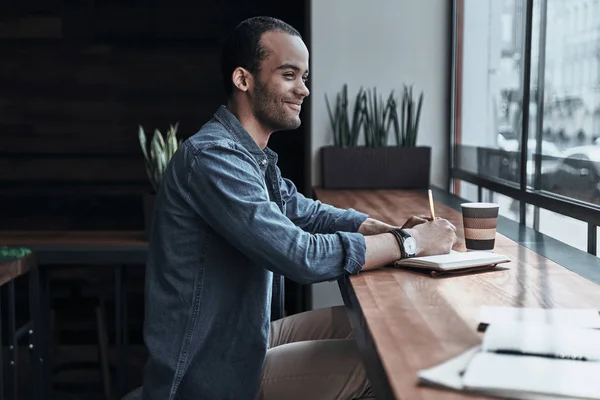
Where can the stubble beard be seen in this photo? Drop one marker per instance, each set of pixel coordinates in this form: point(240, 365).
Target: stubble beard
point(269, 111)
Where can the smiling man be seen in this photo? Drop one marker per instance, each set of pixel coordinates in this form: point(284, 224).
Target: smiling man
point(227, 228)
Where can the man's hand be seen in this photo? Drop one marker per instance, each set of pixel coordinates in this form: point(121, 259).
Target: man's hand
point(415, 220)
point(433, 237)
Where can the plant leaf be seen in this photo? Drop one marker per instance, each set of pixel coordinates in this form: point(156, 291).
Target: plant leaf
point(416, 125)
point(331, 121)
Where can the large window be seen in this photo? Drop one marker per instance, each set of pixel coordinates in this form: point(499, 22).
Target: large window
point(527, 111)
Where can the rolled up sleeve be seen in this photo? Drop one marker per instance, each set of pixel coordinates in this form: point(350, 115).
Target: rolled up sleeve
point(355, 247)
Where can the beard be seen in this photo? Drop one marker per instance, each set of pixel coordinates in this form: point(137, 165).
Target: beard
point(271, 112)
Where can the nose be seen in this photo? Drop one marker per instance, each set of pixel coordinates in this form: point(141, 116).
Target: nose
point(302, 89)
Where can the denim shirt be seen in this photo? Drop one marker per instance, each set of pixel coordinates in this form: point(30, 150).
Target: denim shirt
point(225, 224)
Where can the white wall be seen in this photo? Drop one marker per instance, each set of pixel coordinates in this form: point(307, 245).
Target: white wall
point(381, 43)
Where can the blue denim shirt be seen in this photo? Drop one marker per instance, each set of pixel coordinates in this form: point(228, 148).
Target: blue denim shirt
point(225, 224)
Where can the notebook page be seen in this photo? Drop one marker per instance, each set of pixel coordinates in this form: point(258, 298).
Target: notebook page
point(449, 375)
point(543, 339)
point(506, 374)
point(582, 317)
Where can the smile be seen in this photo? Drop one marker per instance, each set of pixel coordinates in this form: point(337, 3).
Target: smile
point(294, 106)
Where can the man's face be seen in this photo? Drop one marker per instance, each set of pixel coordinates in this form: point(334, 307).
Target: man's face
point(279, 85)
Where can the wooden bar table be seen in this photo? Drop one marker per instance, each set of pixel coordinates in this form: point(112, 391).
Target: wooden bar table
point(406, 321)
point(15, 263)
point(113, 249)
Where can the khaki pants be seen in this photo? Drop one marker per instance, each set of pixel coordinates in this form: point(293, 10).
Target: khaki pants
point(312, 356)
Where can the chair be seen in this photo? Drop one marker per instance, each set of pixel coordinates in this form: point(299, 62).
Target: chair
point(93, 300)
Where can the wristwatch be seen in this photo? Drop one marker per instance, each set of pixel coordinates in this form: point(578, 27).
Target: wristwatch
point(407, 243)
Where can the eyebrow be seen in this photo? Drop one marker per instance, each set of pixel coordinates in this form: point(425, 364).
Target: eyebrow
point(291, 66)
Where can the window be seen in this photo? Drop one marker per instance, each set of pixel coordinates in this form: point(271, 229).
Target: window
point(550, 94)
point(578, 176)
point(569, 230)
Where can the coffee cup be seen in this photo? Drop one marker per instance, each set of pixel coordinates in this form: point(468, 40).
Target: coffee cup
point(480, 221)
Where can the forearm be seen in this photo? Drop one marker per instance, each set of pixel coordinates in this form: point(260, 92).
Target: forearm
point(372, 226)
point(382, 249)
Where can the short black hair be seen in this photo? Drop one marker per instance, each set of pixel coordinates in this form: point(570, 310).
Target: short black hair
point(242, 48)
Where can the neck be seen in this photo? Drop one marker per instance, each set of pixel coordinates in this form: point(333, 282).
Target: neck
point(244, 114)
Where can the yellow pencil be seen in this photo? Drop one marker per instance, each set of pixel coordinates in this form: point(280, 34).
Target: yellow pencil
point(431, 209)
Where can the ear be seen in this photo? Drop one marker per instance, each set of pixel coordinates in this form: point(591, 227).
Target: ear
point(241, 79)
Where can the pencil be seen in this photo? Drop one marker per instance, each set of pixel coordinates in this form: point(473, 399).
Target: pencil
point(431, 209)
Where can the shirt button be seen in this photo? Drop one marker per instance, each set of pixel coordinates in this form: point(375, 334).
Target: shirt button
point(263, 161)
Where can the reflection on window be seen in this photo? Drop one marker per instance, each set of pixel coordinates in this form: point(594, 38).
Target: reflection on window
point(508, 207)
point(571, 118)
point(468, 191)
point(568, 230)
point(491, 92)
point(577, 175)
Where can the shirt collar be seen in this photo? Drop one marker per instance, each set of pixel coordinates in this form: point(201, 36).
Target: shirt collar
point(242, 136)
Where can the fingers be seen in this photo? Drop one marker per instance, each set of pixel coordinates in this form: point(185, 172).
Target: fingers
point(452, 226)
point(414, 221)
point(446, 223)
point(449, 237)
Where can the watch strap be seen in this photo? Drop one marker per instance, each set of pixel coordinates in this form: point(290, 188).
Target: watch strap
point(399, 234)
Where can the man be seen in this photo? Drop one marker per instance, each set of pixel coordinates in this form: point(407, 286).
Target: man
point(227, 226)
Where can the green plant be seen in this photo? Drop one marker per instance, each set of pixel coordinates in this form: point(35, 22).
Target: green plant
point(376, 117)
point(158, 153)
point(379, 117)
point(346, 133)
point(13, 252)
point(410, 119)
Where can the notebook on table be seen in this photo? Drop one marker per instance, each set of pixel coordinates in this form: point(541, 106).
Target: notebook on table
point(574, 317)
point(454, 262)
point(537, 358)
point(525, 360)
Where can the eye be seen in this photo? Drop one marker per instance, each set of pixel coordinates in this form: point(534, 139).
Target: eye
point(305, 78)
point(289, 75)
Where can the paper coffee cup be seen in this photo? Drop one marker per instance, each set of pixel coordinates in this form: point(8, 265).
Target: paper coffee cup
point(480, 221)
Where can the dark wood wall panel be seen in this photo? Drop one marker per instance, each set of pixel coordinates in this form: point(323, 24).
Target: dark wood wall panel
point(76, 80)
point(78, 169)
point(102, 137)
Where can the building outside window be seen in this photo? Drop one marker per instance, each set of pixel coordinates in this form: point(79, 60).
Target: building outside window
point(564, 105)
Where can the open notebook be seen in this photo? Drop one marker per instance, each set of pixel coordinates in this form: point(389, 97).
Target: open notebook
point(573, 317)
point(454, 261)
point(526, 361)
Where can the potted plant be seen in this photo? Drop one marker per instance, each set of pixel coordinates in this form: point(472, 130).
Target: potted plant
point(157, 155)
point(376, 164)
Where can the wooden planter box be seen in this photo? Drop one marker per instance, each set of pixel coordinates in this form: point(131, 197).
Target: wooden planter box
point(375, 167)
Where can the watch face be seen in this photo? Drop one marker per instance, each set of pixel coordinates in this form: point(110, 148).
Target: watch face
point(410, 246)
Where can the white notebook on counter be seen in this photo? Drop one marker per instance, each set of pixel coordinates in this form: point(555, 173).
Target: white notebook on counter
point(526, 361)
point(455, 261)
point(575, 317)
